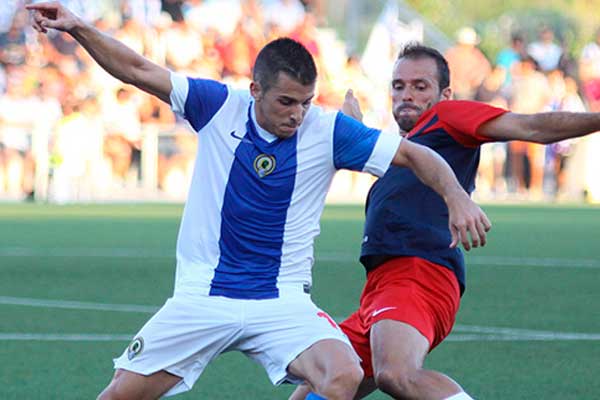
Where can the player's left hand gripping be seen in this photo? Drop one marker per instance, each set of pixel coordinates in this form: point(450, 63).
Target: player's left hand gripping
point(351, 107)
point(466, 218)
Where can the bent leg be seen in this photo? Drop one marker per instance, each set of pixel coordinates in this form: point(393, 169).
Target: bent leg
point(330, 367)
point(129, 385)
point(400, 372)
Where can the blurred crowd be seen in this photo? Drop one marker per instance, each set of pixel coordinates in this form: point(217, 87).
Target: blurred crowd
point(526, 77)
point(62, 114)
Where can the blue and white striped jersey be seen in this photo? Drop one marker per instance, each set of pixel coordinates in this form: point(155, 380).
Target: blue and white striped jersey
point(255, 200)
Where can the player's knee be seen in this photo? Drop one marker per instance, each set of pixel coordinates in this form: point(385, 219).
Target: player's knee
point(116, 391)
point(342, 383)
point(397, 383)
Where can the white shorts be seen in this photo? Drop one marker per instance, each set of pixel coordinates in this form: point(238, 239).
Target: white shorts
point(188, 332)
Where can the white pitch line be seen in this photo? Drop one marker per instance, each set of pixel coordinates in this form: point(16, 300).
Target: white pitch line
point(320, 257)
point(62, 337)
point(87, 252)
point(76, 305)
point(461, 333)
point(493, 261)
point(473, 337)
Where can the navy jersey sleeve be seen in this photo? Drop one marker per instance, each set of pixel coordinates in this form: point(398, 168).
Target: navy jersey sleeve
point(197, 100)
point(353, 143)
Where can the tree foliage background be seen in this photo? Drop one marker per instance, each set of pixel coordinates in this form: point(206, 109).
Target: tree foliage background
point(573, 21)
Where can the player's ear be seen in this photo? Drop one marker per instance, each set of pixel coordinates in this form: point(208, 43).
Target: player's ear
point(446, 94)
point(256, 90)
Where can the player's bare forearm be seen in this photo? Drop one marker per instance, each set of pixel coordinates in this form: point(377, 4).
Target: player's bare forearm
point(548, 127)
point(122, 62)
point(115, 57)
point(464, 216)
point(429, 167)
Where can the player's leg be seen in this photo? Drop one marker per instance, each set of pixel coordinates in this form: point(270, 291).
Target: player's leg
point(331, 368)
point(129, 385)
point(412, 311)
point(297, 342)
point(170, 352)
point(400, 372)
point(359, 339)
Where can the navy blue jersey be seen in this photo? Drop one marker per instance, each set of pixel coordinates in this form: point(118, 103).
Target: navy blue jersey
point(404, 217)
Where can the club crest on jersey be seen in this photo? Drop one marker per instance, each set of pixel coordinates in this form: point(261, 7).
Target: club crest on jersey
point(135, 347)
point(264, 164)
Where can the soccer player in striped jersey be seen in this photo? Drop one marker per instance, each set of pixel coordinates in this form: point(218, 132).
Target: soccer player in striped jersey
point(245, 247)
point(414, 279)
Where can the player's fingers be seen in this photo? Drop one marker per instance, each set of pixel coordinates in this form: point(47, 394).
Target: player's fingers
point(474, 231)
point(481, 230)
point(42, 6)
point(49, 23)
point(36, 22)
point(464, 237)
point(455, 237)
point(487, 224)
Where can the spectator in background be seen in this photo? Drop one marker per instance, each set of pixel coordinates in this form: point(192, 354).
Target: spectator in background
point(509, 56)
point(286, 14)
point(589, 72)
point(530, 94)
point(122, 143)
point(468, 65)
point(16, 107)
point(75, 141)
point(491, 174)
point(12, 42)
point(545, 52)
point(174, 8)
point(144, 12)
point(182, 45)
point(565, 97)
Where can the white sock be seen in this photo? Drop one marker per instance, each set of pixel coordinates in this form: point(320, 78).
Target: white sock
point(459, 396)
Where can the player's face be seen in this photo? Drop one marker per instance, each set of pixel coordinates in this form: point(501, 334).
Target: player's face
point(281, 109)
point(415, 89)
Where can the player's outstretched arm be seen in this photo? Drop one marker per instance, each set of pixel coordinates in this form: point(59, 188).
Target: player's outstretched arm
point(544, 128)
point(464, 216)
point(116, 58)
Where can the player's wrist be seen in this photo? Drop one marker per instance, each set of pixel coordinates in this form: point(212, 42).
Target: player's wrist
point(78, 27)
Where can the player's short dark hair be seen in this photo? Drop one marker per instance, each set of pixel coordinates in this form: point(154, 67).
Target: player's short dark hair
point(284, 55)
point(416, 51)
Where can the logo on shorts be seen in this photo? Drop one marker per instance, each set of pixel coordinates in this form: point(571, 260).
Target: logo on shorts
point(264, 164)
point(379, 311)
point(323, 314)
point(135, 347)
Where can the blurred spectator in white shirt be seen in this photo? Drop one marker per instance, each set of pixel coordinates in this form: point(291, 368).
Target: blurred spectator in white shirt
point(545, 51)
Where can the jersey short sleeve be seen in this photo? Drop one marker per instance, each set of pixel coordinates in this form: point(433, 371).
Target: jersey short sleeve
point(462, 119)
point(197, 100)
point(360, 148)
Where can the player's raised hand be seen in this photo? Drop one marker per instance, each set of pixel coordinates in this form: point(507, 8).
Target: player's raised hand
point(351, 107)
point(51, 15)
point(466, 218)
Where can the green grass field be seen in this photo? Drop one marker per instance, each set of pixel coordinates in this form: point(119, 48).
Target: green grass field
point(72, 276)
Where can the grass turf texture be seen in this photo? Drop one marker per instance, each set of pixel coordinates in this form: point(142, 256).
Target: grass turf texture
point(124, 254)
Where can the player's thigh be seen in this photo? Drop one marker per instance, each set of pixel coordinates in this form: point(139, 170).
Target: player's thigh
point(397, 345)
point(130, 385)
point(323, 358)
point(182, 338)
point(291, 336)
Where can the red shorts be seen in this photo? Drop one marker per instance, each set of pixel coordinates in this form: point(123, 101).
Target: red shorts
point(407, 289)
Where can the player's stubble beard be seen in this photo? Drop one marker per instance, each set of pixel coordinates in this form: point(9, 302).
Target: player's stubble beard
point(407, 121)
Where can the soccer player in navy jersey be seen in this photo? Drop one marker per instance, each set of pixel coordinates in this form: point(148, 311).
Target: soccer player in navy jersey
point(245, 245)
point(414, 280)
